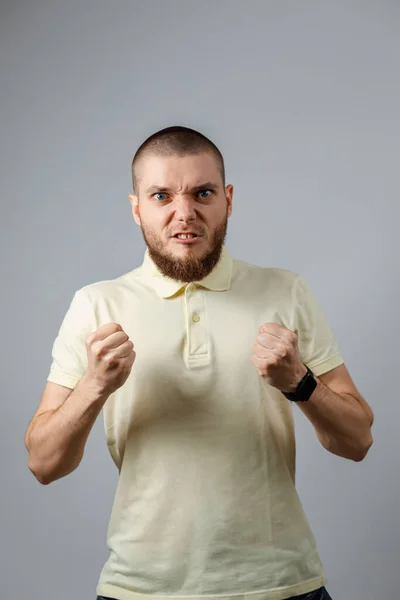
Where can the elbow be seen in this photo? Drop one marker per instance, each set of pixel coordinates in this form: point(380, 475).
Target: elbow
point(363, 451)
point(35, 466)
point(359, 457)
point(45, 473)
point(43, 480)
point(350, 450)
point(48, 465)
point(40, 474)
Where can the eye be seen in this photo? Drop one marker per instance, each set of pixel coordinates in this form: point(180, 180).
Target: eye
point(204, 193)
point(160, 196)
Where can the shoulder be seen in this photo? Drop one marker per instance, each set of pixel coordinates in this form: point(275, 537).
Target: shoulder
point(108, 288)
point(278, 277)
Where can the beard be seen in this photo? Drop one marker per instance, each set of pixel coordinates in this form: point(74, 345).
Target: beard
point(187, 269)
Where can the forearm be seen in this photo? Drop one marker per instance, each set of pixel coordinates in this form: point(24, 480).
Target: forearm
point(342, 425)
point(57, 438)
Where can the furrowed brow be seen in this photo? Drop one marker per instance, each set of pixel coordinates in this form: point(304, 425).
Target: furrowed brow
point(153, 189)
point(209, 185)
point(157, 189)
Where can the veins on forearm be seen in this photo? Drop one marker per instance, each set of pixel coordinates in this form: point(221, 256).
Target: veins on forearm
point(341, 424)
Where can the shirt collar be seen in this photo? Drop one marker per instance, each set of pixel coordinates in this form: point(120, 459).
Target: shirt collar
point(218, 280)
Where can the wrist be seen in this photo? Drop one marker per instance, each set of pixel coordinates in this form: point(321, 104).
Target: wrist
point(300, 373)
point(304, 388)
point(92, 391)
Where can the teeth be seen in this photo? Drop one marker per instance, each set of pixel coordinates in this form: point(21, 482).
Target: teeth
point(185, 236)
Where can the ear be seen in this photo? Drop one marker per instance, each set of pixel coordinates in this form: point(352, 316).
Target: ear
point(134, 200)
point(229, 198)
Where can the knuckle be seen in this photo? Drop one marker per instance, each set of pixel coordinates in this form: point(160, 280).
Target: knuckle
point(98, 351)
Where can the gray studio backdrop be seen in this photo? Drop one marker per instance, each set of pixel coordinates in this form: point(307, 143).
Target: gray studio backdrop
point(303, 99)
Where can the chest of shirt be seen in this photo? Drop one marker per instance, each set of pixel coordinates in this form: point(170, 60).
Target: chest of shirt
point(196, 331)
point(193, 370)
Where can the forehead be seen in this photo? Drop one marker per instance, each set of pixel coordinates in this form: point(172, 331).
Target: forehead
point(178, 171)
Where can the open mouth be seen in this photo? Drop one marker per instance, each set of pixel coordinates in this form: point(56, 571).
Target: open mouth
point(186, 236)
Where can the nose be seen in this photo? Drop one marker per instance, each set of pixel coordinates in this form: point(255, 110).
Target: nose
point(185, 209)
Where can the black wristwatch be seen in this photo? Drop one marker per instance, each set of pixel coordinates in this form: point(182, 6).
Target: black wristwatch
point(304, 389)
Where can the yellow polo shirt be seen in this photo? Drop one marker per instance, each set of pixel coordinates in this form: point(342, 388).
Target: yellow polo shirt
point(206, 503)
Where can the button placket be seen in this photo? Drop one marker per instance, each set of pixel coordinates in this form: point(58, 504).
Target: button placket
point(197, 334)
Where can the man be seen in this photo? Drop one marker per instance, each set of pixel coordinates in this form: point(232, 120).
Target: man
point(196, 360)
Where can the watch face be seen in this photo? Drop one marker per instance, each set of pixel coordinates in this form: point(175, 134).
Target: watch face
point(307, 387)
point(304, 390)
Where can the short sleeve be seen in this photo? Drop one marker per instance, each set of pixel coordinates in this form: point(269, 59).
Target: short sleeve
point(69, 349)
point(318, 347)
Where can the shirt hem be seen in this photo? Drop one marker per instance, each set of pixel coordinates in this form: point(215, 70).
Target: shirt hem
point(282, 593)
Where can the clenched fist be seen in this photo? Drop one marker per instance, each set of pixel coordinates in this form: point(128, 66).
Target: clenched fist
point(276, 356)
point(110, 357)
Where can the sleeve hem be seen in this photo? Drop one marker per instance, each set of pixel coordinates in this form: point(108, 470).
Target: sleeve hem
point(327, 364)
point(62, 379)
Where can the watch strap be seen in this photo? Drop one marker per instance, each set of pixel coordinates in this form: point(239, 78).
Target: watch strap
point(304, 389)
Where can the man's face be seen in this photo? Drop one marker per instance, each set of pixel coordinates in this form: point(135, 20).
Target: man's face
point(182, 195)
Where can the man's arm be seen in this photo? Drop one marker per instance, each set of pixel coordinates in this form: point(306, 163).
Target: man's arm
point(341, 417)
point(57, 434)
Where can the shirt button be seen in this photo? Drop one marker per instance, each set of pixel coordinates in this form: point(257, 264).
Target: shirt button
point(196, 318)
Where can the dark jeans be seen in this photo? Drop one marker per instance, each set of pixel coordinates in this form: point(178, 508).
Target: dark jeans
point(320, 594)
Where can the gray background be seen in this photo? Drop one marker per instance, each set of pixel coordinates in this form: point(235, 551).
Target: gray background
point(303, 99)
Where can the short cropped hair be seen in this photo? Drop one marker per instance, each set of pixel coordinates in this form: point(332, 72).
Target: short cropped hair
point(178, 140)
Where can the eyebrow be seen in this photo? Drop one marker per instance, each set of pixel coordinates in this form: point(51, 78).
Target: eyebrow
point(153, 189)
